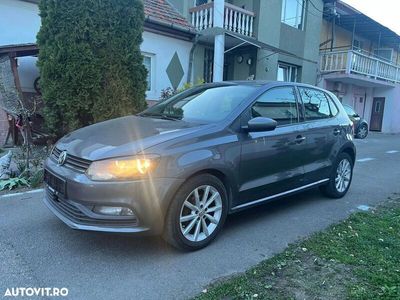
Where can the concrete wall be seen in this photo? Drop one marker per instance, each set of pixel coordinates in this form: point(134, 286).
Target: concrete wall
point(391, 119)
point(162, 49)
point(267, 30)
point(303, 43)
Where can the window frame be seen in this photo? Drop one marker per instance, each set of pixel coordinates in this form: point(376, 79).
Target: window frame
point(299, 26)
point(152, 58)
point(290, 68)
point(247, 112)
point(304, 118)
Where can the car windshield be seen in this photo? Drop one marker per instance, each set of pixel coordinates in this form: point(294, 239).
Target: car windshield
point(207, 105)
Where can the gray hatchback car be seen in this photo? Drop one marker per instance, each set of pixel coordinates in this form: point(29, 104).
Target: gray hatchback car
point(180, 167)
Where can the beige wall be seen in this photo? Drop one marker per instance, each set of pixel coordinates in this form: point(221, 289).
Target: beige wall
point(344, 40)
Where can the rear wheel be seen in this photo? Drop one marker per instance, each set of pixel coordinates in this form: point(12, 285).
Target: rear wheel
point(362, 131)
point(197, 213)
point(341, 177)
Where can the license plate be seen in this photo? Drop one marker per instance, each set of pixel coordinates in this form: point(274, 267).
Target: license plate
point(54, 182)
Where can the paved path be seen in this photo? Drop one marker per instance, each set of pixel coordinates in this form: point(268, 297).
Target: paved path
point(36, 249)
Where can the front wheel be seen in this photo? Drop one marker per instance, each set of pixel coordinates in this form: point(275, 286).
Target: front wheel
point(197, 213)
point(341, 177)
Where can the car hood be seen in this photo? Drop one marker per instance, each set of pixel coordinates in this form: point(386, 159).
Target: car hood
point(123, 136)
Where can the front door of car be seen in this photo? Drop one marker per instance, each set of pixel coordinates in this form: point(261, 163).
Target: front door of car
point(271, 161)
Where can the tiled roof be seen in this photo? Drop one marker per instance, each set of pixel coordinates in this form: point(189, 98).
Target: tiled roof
point(163, 12)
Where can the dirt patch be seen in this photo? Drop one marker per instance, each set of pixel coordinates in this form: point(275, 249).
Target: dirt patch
point(309, 277)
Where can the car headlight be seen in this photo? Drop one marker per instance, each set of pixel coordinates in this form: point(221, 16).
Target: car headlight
point(121, 168)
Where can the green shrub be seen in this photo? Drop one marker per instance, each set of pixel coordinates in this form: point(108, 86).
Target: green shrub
point(36, 179)
point(90, 62)
point(13, 183)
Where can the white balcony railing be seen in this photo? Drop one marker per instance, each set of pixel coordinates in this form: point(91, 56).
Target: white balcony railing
point(236, 19)
point(355, 62)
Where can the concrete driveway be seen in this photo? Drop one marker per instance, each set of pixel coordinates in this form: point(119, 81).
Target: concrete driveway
point(37, 250)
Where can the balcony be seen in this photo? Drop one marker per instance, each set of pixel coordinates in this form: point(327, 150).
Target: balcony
point(354, 62)
point(236, 19)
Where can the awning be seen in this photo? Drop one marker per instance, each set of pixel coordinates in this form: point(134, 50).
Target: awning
point(19, 50)
point(244, 40)
point(370, 29)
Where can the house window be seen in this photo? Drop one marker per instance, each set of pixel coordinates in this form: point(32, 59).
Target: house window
point(384, 53)
point(293, 13)
point(201, 2)
point(148, 63)
point(287, 72)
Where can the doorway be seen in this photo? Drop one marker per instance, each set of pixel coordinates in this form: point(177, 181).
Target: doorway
point(378, 107)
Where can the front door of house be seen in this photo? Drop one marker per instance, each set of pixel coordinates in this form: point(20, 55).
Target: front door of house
point(378, 107)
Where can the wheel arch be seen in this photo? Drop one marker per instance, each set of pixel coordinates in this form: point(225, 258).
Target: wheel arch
point(350, 150)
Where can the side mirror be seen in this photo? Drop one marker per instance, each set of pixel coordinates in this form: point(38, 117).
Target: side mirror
point(260, 124)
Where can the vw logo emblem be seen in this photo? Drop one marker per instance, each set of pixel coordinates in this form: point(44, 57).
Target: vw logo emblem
point(62, 158)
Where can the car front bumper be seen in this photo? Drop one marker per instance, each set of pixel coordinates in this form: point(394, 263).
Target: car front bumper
point(148, 199)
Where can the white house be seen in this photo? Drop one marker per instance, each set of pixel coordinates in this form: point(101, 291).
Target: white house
point(167, 41)
point(167, 45)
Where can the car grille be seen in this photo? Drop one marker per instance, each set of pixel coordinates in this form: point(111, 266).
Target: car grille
point(72, 212)
point(72, 162)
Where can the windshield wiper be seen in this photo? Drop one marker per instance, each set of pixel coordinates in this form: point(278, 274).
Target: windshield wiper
point(160, 116)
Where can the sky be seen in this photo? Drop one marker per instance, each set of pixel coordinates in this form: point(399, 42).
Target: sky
point(385, 12)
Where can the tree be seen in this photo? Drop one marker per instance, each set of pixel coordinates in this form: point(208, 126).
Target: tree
point(90, 62)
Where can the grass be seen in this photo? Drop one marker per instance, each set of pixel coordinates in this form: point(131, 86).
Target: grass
point(358, 258)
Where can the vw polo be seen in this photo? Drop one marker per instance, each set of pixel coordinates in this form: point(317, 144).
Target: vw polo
point(180, 167)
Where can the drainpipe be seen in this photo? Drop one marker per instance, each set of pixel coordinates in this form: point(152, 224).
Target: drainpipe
point(191, 58)
point(333, 26)
point(219, 41)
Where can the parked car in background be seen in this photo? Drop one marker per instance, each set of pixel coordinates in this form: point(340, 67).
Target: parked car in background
point(360, 125)
point(181, 166)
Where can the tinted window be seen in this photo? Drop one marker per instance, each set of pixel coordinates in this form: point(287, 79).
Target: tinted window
point(278, 104)
point(207, 105)
point(315, 104)
point(332, 105)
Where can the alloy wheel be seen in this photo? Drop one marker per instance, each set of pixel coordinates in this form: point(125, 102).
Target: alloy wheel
point(343, 175)
point(362, 132)
point(201, 213)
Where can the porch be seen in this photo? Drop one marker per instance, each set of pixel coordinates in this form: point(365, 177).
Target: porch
point(367, 67)
point(234, 18)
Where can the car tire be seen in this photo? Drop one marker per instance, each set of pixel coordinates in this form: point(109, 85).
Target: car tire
point(191, 225)
point(362, 131)
point(340, 178)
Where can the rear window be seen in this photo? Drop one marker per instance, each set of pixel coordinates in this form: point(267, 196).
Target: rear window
point(316, 104)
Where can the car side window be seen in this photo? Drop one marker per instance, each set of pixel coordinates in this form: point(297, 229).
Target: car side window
point(278, 104)
point(332, 105)
point(316, 104)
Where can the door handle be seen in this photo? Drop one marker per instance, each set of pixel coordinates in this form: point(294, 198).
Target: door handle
point(336, 131)
point(299, 139)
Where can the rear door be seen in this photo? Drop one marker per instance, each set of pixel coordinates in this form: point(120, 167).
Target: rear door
point(271, 161)
point(322, 132)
